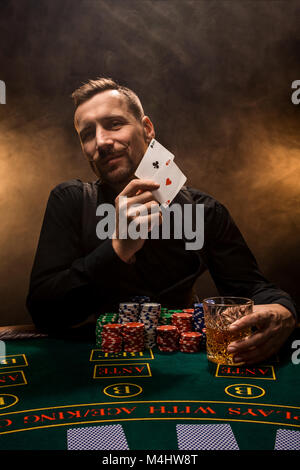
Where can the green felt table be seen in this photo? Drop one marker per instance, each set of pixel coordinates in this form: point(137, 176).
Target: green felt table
point(51, 385)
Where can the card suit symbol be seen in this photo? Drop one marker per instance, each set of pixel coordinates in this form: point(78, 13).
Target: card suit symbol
point(168, 181)
point(167, 163)
point(168, 201)
point(156, 164)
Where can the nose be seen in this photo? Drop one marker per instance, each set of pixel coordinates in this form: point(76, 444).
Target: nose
point(104, 141)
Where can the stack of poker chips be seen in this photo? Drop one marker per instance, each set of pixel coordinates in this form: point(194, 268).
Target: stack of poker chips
point(140, 299)
point(199, 323)
point(133, 336)
point(203, 338)
point(112, 338)
point(165, 317)
point(101, 321)
point(198, 317)
point(149, 316)
point(188, 310)
point(182, 321)
point(167, 338)
point(128, 312)
point(190, 341)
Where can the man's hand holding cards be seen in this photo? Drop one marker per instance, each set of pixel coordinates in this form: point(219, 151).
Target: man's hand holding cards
point(138, 204)
point(158, 165)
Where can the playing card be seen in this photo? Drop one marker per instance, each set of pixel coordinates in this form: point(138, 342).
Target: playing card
point(287, 440)
point(110, 437)
point(155, 158)
point(205, 437)
point(171, 180)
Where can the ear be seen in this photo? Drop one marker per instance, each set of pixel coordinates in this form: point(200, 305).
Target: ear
point(148, 129)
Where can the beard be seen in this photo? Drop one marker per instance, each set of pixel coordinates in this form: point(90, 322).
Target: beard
point(120, 173)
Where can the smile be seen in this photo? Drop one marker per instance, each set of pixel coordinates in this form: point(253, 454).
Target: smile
point(112, 159)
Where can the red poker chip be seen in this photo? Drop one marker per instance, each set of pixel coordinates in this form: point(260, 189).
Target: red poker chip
point(113, 326)
point(115, 350)
point(112, 341)
point(133, 343)
point(165, 328)
point(133, 332)
point(191, 334)
point(187, 351)
point(112, 338)
point(167, 349)
point(133, 349)
point(182, 316)
point(167, 338)
point(133, 325)
point(188, 342)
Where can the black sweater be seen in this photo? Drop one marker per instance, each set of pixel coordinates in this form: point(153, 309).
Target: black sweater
point(72, 278)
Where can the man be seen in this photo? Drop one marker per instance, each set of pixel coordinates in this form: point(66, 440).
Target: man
point(75, 274)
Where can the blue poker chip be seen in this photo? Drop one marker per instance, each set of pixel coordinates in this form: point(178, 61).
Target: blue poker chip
point(198, 317)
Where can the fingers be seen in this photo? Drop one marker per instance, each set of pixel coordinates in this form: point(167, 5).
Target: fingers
point(145, 216)
point(271, 333)
point(138, 185)
point(143, 209)
point(146, 221)
point(258, 319)
point(255, 340)
point(255, 355)
point(142, 198)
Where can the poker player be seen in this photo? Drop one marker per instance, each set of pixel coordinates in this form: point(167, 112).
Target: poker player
point(76, 276)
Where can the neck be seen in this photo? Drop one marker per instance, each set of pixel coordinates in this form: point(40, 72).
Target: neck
point(117, 188)
point(113, 190)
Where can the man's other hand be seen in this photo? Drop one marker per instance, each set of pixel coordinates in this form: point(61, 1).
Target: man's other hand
point(273, 324)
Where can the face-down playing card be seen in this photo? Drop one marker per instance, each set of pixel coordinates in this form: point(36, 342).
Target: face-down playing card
point(205, 437)
point(111, 437)
point(287, 439)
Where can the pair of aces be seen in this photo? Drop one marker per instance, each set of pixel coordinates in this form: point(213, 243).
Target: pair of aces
point(158, 165)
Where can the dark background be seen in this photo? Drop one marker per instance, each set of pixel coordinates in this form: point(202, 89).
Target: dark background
point(215, 78)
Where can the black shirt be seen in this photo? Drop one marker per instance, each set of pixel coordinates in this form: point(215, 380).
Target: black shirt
point(72, 278)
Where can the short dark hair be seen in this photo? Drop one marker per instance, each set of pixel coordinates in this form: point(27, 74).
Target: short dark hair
point(93, 87)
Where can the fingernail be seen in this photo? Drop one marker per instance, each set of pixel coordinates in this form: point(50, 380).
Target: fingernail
point(237, 359)
point(231, 349)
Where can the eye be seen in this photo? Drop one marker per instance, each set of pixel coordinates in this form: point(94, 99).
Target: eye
point(115, 124)
point(86, 135)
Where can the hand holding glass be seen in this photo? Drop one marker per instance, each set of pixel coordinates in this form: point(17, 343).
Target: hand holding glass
point(219, 314)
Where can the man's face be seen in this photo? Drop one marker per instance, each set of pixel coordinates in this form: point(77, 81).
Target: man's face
point(112, 139)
